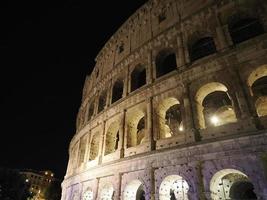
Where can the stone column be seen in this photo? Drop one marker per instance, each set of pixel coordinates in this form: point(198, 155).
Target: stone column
point(85, 159)
point(149, 73)
point(102, 142)
point(227, 35)
point(122, 139)
point(125, 132)
point(189, 126)
point(118, 177)
point(126, 84)
point(221, 38)
point(87, 156)
point(150, 171)
point(180, 57)
point(150, 123)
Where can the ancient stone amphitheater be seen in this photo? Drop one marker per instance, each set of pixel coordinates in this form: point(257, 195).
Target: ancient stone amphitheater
point(176, 106)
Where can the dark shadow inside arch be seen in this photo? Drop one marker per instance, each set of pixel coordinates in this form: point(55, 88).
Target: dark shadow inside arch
point(259, 87)
point(201, 48)
point(173, 118)
point(117, 91)
point(140, 194)
point(242, 190)
point(244, 29)
point(165, 63)
point(138, 77)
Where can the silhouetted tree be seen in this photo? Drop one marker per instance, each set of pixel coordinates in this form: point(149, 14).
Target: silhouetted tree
point(13, 185)
point(53, 191)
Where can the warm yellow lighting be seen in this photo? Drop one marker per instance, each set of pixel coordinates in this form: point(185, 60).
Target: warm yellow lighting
point(52, 175)
point(27, 180)
point(214, 120)
point(46, 173)
point(181, 128)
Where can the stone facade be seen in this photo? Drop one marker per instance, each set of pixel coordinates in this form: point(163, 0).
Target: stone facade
point(176, 106)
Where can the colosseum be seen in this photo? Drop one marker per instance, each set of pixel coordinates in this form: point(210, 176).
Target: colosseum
point(176, 107)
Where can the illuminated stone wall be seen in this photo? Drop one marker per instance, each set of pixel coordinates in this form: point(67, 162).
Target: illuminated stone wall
point(176, 106)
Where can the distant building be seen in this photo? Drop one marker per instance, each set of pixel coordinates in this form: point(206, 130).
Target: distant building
point(39, 181)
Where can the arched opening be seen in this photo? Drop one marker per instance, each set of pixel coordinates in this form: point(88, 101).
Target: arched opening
point(82, 150)
point(173, 187)
point(112, 138)
point(231, 184)
point(102, 101)
point(94, 148)
point(91, 110)
point(244, 29)
point(258, 85)
point(134, 191)
point(136, 128)
point(117, 90)
point(107, 192)
point(169, 115)
point(138, 77)
point(88, 195)
point(201, 48)
point(214, 105)
point(165, 62)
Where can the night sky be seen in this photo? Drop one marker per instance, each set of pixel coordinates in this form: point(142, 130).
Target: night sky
point(47, 49)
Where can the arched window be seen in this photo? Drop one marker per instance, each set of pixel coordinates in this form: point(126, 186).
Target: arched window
point(102, 101)
point(117, 90)
point(136, 128)
point(244, 29)
point(231, 184)
point(88, 195)
point(201, 48)
point(112, 138)
point(91, 110)
point(169, 118)
point(214, 105)
point(173, 187)
point(138, 77)
point(82, 150)
point(165, 62)
point(134, 191)
point(107, 192)
point(94, 148)
point(258, 86)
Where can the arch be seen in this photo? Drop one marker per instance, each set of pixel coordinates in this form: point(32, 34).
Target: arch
point(107, 192)
point(117, 90)
point(202, 47)
point(214, 105)
point(88, 195)
point(112, 138)
point(169, 117)
point(229, 184)
point(134, 191)
point(136, 128)
point(165, 62)
point(257, 82)
point(241, 27)
point(94, 147)
point(91, 110)
point(138, 77)
point(173, 187)
point(102, 101)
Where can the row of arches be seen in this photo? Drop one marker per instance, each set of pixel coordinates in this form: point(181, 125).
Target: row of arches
point(225, 184)
point(240, 29)
point(215, 105)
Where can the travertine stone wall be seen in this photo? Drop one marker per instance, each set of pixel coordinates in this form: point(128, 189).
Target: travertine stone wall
point(111, 158)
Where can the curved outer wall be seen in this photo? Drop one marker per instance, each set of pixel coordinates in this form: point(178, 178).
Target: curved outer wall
point(110, 153)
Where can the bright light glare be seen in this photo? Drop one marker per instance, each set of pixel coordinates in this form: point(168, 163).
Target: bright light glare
point(181, 128)
point(214, 120)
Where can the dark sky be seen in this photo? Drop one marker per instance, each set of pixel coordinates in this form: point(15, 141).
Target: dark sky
point(47, 48)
